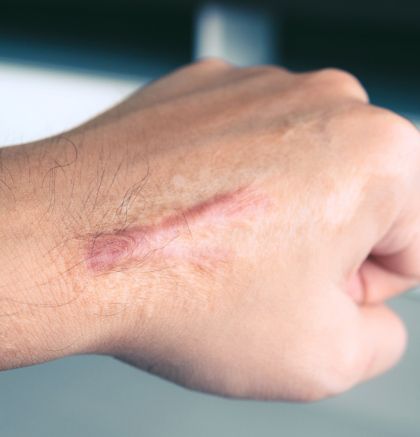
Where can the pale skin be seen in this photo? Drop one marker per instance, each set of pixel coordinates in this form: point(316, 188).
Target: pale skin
point(236, 231)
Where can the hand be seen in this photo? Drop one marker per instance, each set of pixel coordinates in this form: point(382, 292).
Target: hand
point(233, 230)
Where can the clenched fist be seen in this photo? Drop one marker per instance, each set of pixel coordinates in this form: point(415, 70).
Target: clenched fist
point(233, 230)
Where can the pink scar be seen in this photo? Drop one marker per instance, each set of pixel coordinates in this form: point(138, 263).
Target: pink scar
point(170, 240)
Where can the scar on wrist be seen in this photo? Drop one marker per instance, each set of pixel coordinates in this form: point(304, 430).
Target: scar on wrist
point(172, 239)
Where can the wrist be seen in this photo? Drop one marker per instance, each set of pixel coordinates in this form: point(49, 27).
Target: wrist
point(40, 304)
point(61, 198)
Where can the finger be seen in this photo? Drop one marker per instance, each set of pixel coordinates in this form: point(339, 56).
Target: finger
point(374, 283)
point(399, 248)
point(405, 258)
point(385, 339)
point(394, 262)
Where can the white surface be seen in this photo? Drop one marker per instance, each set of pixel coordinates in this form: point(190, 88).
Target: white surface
point(36, 102)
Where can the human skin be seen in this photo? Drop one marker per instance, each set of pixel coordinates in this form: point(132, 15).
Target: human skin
point(236, 231)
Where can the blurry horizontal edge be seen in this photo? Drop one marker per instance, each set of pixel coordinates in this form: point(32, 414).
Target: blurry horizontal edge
point(388, 11)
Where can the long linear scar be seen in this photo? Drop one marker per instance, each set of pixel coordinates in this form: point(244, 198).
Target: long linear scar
point(171, 239)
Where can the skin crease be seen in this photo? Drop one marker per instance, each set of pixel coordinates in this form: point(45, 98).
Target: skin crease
point(236, 231)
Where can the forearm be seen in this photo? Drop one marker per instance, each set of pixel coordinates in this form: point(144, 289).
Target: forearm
point(94, 228)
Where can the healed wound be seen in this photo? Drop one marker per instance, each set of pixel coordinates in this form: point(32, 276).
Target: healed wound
point(172, 238)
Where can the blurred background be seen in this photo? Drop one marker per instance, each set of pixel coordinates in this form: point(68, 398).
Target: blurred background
point(62, 62)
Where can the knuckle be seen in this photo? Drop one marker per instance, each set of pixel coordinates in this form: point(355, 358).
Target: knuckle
point(336, 365)
point(270, 72)
point(342, 373)
point(212, 63)
point(394, 141)
point(331, 382)
point(266, 80)
point(335, 75)
point(382, 145)
point(398, 128)
point(339, 81)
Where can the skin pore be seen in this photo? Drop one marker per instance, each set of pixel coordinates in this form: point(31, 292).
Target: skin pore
point(236, 231)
